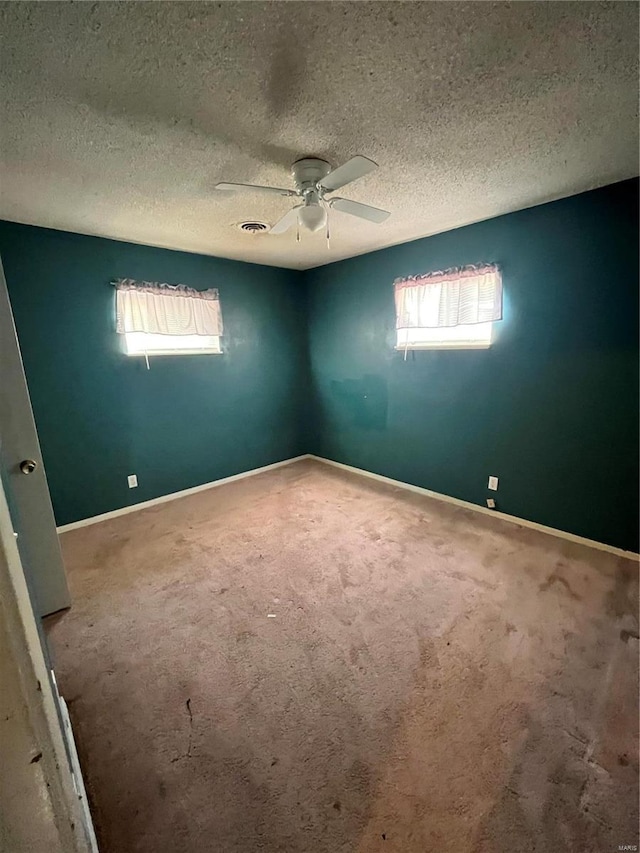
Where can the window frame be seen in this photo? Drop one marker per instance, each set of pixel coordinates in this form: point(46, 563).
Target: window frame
point(450, 344)
point(151, 353)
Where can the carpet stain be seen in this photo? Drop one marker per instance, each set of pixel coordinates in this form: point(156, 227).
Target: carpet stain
point(625, 635)
point(243, 636)
point(461, 576)
point(555, 578)
point(622, 600)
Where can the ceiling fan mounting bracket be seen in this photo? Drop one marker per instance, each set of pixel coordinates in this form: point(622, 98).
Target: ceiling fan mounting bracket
point(308, 171)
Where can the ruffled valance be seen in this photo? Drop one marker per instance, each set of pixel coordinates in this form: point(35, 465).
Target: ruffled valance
point(166, 309)
point(454, 297)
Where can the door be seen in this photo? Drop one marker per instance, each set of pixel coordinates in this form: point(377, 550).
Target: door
point(24, 476)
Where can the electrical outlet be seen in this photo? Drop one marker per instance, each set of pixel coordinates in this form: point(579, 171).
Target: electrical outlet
point(493, 484)
point(491, 503)
point(132, 480)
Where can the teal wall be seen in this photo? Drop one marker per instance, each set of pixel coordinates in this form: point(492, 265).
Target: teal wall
point(551, 408)
point(309, 366)
point(102, 415)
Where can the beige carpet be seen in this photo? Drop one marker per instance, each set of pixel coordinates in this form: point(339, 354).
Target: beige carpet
point(431, 680)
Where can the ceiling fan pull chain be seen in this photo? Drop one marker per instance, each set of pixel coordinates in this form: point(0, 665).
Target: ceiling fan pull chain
point(328, 246)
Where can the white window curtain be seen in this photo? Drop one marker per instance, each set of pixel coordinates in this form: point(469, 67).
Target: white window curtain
point(165, 309)
point(455, 297)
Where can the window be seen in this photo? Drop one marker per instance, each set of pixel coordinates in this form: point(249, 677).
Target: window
point(139, 343)
point(455, 309)
point(476, 336)
point(164, 319)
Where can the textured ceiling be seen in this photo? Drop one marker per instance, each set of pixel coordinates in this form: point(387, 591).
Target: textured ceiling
point(119, 118)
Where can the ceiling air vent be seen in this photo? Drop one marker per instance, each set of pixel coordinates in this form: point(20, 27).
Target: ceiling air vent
point(253, 227)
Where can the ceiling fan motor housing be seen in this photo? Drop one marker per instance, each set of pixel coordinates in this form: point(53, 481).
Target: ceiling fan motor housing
point(308, 171)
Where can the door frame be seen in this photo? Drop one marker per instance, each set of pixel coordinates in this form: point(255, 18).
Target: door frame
point(48, 774)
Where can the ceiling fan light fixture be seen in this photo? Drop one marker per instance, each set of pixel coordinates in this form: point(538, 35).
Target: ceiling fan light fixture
point(313, 216)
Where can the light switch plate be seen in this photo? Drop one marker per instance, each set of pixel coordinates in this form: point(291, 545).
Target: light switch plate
point(493, 483)
point(132, 480)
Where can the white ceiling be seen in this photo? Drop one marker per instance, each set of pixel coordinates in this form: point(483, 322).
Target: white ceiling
point(118, 118)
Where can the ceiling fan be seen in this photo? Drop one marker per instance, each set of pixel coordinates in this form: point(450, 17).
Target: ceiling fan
point(313, 179)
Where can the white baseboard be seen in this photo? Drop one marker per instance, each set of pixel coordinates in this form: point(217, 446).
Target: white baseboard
point(105, 516)
point(571, 537)
point(513, 519)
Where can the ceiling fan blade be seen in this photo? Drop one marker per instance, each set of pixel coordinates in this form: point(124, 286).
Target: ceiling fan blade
point(290, 218)
point(353, 169)
point(364, 211)
point(251, 187)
